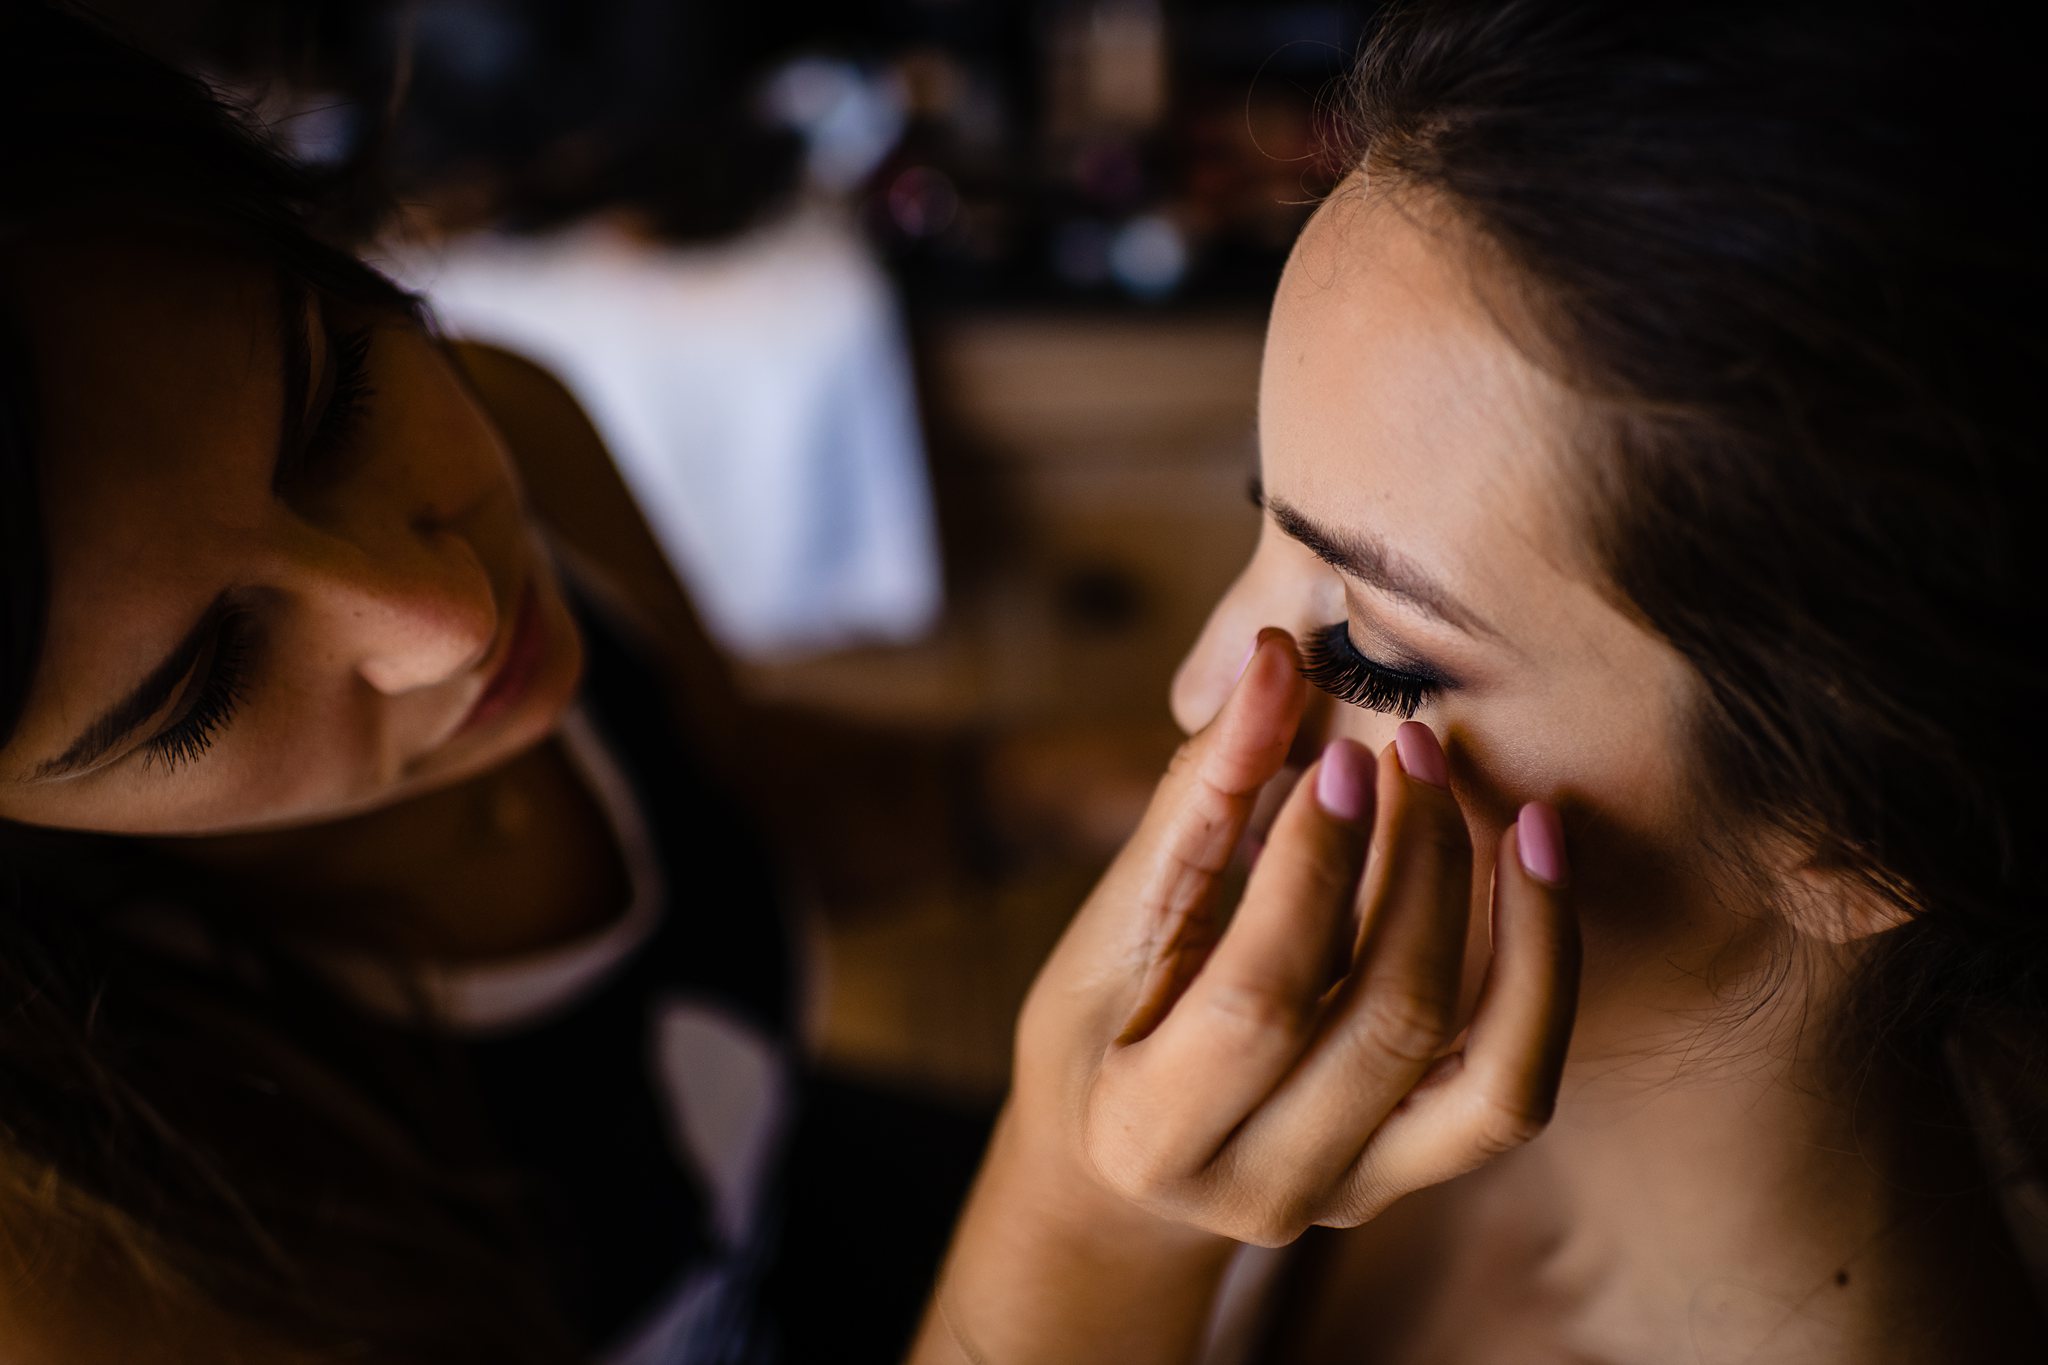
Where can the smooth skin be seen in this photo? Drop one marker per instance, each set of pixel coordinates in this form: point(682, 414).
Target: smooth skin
point(1707, 1188)
point(159, 404)
point(1700, 1189)
point(341, 804)
point(1202, 1085)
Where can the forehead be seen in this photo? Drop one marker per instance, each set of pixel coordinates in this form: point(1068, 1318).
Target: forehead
point(155, 385)
point(146, 358)
point(1394, 399)
point(156, 409)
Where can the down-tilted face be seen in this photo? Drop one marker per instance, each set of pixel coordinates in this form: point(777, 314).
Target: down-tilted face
point(290, 574)
point(1419, 540)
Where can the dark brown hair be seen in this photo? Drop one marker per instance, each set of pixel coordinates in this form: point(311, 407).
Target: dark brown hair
point(232, 1144)
point(1784, 250)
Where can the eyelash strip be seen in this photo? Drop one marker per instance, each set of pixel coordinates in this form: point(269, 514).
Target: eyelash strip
point(219, 695)
point(1331, 662)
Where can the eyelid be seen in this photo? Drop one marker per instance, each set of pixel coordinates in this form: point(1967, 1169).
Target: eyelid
point(318, 349)
point(1392, 658)
point(1383, 648)
point(1333, 663)
point(216, 683)
point(177, 704)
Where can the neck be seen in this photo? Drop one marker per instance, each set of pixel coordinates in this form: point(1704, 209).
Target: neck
point(1747, 1196)
point(445, 875)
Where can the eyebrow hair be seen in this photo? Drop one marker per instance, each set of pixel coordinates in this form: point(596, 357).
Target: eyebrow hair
point(1371, 561)
point(120, 720)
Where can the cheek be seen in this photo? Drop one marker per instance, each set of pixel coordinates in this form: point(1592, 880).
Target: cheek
point(1645, 914)
point(295, 762)
point(451, 456)
point(1649, 905)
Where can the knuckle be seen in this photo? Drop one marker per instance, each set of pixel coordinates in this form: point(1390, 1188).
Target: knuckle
point(1187, 758)
point(1250, 1207)
point(1501, 1125)
point(1348, 1212)
point(1197, 820)
point(1363, 1198)
point(1329, 872)
point(1133, 1179)
point(1431, 821)
point(1444, 834)
point(1269, 1235)
point(1205, 806)
point(1408, 1026)
point(1126, 1163)
point(1258, 1012)
point(1133, 1171)
point(1277, 1226)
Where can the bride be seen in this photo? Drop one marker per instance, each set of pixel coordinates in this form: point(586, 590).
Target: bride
point(1650, 427)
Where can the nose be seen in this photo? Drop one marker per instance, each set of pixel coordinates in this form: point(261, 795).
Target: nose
point(1211, 667)
point(406, 615)
point(1202, 682)
point(1210, 670)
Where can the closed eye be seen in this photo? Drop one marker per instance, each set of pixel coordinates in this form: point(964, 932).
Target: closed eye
point(214, 701)
point(1331, 662)
point(336, 397)
point(348, 396)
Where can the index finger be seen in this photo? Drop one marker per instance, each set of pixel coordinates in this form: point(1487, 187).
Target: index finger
point(1162, 889)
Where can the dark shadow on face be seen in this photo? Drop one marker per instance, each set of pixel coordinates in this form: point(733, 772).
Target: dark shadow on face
point(287, 552)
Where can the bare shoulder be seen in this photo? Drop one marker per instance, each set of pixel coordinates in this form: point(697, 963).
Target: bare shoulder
point(572, 481)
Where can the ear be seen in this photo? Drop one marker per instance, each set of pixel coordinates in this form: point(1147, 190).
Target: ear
point(1836, 905)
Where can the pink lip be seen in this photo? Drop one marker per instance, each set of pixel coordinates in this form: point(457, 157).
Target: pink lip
point(524, 654)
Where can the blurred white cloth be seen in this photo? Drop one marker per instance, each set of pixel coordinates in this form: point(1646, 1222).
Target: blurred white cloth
point(758, 398)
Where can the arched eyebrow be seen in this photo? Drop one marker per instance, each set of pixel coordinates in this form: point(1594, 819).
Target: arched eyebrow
point(1372, 562)
point(121, 720)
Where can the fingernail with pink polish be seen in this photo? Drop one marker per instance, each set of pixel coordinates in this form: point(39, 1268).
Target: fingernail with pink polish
point(1249, 655)
point(1540, 836)
point(1422, 758)
point(1344, 780)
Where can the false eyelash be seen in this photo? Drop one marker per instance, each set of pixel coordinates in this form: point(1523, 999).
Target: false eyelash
point(194, 732)
point(1331, 662)
point(352, 391)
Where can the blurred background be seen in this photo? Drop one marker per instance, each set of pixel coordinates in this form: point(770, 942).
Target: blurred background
point(926, 335)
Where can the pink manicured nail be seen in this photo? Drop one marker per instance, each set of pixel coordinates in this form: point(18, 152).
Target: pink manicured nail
point(1344, 780)
point(1422, 758)
point(1540, 836)
point(1249, 655)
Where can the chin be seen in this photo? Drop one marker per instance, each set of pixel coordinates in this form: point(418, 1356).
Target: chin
point(537, 717)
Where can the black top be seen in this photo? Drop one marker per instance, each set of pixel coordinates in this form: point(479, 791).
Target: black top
point(648, 1108)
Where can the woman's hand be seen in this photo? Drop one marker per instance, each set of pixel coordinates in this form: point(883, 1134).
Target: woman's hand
point(1181, 1085)
point(1298, 1068)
